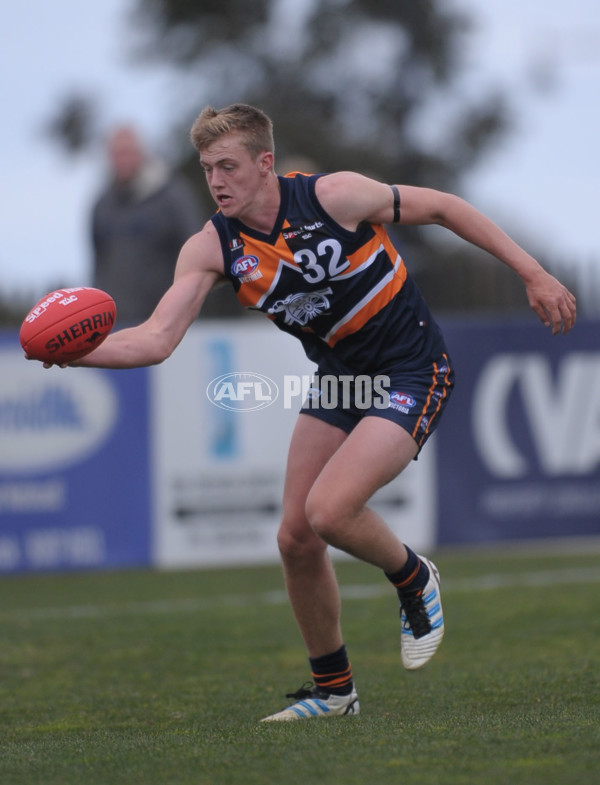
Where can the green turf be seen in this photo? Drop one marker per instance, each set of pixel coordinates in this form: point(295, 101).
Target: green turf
point(142, 677)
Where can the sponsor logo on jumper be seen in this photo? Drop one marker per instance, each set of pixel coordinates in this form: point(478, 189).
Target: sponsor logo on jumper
point(245, 265)
point(302, 307)
point(305, 231)
point(235, 244)
point(246, 268)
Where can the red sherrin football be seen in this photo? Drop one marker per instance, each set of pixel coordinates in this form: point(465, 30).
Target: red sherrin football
point(67, 324)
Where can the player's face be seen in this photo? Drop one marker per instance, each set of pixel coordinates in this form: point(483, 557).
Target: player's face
point(234, 178)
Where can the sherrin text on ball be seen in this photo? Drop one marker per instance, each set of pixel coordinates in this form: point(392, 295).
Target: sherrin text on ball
point(67, 324)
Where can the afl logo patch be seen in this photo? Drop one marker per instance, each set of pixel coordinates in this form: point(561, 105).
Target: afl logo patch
point(402, 402)
point(402, 399)
point(244, 266)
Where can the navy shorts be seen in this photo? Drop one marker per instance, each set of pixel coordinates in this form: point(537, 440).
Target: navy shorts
point(415, 400)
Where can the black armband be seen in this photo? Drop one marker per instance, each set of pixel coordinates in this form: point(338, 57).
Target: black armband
point(396, 193)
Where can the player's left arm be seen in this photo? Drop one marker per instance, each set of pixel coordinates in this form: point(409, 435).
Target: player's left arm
point(550, 299)
point(351, 198)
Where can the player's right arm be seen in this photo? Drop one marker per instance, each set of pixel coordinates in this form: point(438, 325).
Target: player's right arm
point(199, 268)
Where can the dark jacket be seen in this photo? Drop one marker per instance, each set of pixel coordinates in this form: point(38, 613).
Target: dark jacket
point(137, 232)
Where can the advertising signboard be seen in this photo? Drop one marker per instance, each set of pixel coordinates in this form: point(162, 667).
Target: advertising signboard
point(74, 466)
point(519, 451)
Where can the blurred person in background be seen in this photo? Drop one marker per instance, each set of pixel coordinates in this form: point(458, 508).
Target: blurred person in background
point(139, 222)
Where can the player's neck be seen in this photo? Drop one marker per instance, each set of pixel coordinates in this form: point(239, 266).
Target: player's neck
point(262, 213)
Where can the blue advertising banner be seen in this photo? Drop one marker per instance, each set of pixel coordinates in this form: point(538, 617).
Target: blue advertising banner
point(74, 466)
point(519, 449)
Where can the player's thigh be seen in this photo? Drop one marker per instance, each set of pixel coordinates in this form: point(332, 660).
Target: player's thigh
point(312, 445)
point(376, 452)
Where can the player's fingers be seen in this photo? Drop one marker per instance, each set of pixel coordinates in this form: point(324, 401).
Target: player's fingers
point(52, 365)
point(560, 317)
point(543, 314)
point(34, 359)
point(556, 309)
point(568, 312)
point(555, 320)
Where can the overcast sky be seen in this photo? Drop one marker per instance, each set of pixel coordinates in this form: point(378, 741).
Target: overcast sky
point(543, 182)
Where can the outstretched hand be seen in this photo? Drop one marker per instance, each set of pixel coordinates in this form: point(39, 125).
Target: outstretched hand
point(553, 302)
point(46, 364)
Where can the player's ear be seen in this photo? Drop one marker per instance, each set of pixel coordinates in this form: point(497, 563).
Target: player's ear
point(265, 162)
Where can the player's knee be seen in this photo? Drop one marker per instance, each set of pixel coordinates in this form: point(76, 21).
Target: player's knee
point(325, 518)
point(297, 542)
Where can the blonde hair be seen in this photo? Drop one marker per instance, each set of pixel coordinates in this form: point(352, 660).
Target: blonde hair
point(252, 124)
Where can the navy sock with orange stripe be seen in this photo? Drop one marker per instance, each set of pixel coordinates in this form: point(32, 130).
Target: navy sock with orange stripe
point(410, 578)
point(332, 672)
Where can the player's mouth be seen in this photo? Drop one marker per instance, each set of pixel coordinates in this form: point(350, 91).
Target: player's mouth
point(223, 199)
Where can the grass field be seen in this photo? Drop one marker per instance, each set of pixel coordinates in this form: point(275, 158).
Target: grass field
point(147, 678)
